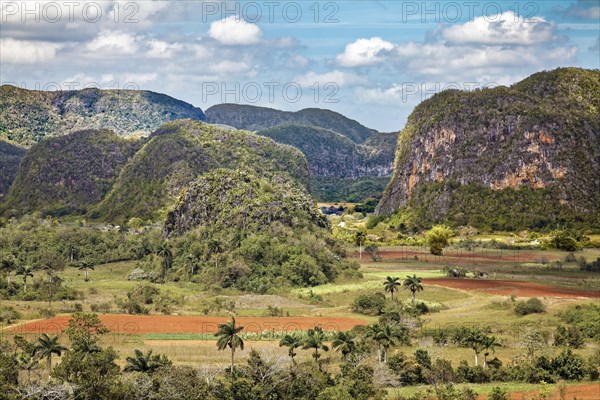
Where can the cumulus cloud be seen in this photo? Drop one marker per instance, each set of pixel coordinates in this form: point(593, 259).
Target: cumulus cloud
point(340, 78)
point(27, 51)
point(112, 43)
point(364, 52)
point(502, 29)
point(235, 31)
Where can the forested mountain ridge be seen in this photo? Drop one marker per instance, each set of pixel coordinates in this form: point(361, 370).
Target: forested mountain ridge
point(68, 174)
point(178, 153)
point(507, 158)
point(330, 154)
point(28, 116)
point(255, 118)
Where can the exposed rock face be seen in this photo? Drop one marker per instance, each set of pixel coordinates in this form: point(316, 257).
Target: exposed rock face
point(259, 118)
point(541, 134)
point(28, 116)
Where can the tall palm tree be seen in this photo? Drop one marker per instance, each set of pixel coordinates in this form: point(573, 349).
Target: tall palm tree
point(359, 239)
point(315, 339)
point(147, 362)
point(391, 285)
point(228, 337)
point(385, 336)
point(292, 342)
point(25, 271)
point(85, 266)
point(164, 251)
point(489, 344)
point(344, 342)
point(475, 339)
point(46, 347)
point(413, 283)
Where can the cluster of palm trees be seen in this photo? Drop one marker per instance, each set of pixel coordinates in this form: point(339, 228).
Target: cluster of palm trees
point(315, 339)
point(412, 283)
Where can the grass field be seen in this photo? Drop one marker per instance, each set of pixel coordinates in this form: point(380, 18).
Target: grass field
point(458, 306)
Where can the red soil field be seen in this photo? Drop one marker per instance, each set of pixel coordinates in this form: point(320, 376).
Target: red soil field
point(491, 255)
point(141, 324)
point(579, 392)
point(506, 288)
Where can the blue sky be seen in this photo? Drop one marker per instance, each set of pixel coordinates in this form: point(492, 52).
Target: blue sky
point(373, 61)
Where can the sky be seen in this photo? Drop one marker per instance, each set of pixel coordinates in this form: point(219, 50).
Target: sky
point(370, 60)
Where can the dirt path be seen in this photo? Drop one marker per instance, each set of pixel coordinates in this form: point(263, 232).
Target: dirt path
point(507, 287)
point(138, 324)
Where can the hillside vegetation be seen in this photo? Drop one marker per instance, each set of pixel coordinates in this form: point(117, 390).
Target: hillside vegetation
point(181, 151)
point(329, 154)
point(68, 174)
point(525, 156)
point(28, 116)
point(10, 158)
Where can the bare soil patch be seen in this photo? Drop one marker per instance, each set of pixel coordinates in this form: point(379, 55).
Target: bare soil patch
point(507, 287)
point(138, 324)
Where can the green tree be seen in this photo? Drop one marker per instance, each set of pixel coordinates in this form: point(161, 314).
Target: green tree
point(360, 236)
point(84, 331)
point(46, 347)
point(292, 341)
point(391, 285)
point(228, 335)
point(25, 271)
point(344, 342)
point(385, 336)
point(413, 283)
point(145, 362)
point(473, 338)
point(489, 344)
point(85, 266)
point(438, 238)
point(315, 339)
point(164, 251)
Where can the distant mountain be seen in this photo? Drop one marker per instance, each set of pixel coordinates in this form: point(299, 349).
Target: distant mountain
point(10, 158)
point(178, 153)
point(329, 154)
point(68, 174)
point(254, 118)
point(28, 116)
point(509, 158)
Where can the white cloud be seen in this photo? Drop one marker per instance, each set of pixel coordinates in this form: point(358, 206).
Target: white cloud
point(140, 78)
point(27, 51)
point(339, 78)
point(113, 43)
point(161, 49)
point(502, 29)
point(235, 31)
point(364, 52)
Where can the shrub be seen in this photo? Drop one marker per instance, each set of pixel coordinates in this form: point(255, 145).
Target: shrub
point(531, 306)
point(8, 314)
point(569, 365)
point(570, 336)
point(498, 393)
point(369, 304)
